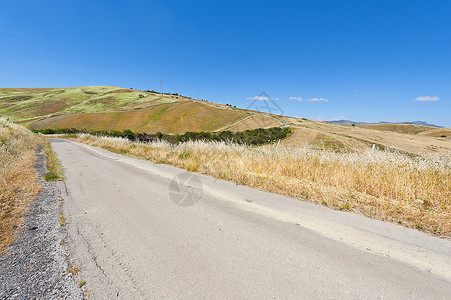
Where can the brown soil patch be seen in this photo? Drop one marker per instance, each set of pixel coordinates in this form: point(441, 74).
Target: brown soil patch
point(52, 108)
point(120, 91)
point(167, 118)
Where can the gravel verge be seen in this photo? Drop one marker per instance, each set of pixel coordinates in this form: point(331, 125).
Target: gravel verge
point(34, 266)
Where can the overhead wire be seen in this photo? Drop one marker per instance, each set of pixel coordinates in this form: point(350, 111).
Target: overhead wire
point(53, 50)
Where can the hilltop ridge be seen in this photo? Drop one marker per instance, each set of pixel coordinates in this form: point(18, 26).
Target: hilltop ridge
point(115, 108)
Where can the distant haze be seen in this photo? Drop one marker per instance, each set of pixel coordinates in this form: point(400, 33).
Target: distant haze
point(349, 122)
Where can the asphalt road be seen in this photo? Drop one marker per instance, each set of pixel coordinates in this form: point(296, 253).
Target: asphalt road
point(134, 235)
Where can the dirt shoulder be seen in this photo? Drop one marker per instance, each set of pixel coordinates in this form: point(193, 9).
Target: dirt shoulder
point(34, 266)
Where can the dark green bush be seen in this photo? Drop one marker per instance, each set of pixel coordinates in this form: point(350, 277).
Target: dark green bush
point(258, 136)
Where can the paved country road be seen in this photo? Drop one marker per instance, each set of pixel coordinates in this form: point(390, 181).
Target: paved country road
point(132, 241)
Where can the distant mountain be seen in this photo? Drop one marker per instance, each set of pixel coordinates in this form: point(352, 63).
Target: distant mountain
point(346, 122)
point(349, 122)
point(415, 123)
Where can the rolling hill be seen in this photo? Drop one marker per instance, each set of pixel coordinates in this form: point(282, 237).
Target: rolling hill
point(414, 139)
point(114, 108)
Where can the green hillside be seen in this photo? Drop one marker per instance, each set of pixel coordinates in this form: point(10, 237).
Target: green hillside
point(24, 104)
point(112, 108)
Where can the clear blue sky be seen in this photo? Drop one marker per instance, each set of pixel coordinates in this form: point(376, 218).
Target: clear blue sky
point(371, 60)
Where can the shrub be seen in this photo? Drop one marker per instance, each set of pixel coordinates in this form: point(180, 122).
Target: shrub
point(255, 137)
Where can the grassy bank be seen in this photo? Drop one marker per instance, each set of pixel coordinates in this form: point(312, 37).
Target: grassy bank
point(390, 186)
point(53, 165)
point(18, 178)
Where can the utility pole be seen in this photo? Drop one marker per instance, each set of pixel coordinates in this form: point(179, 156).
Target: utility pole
point(161, 87)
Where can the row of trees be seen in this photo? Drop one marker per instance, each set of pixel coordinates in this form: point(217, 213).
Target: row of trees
point(258, 136)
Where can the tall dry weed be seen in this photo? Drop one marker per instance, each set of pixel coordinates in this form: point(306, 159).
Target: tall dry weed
point(18, 178)
point(386, 185)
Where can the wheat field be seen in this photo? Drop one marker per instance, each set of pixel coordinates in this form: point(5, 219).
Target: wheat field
point(412, 191)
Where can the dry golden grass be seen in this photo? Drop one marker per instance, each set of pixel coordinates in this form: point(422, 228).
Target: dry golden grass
point(73, 270)
point(401, 128)
point(252, 122)
point(358, 138)
point(391, 186)
point(18, 178)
